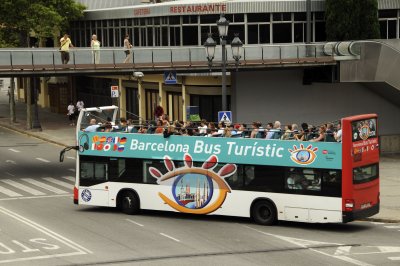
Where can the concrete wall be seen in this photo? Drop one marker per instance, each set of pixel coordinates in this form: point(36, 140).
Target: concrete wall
point(280, 95)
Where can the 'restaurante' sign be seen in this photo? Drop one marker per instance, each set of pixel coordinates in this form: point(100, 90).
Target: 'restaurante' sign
point(214, 8)
point(205, 8)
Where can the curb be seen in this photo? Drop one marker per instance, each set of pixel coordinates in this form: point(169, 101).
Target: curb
point(25, 132)
point(381, 220)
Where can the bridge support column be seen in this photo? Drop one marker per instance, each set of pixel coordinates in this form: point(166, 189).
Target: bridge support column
point(162, 96)
point(43, 97)
point(122, 99)
point(142, 101)
point(185, 99)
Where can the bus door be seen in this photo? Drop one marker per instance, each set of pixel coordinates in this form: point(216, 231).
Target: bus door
point(360, 165)
point(93, 183)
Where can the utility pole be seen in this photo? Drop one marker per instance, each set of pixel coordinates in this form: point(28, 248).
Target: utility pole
point(12, 101)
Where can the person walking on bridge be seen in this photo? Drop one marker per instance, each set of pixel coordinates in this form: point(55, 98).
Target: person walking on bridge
point(95, 44)
point(127, 49)
point(65, 43)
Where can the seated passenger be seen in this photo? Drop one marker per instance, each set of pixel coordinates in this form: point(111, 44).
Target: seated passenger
point(321, 134)
point(288, 133)
point(203, 127)
point(255, 127)
point(329, 135)
point(92, 127)
point(303, 134)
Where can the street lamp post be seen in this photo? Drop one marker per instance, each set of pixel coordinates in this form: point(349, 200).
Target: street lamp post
point(236, 45)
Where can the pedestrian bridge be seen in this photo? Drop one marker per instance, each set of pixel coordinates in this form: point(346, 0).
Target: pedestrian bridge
point(47, 61)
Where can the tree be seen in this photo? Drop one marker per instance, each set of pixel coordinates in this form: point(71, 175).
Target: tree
point(351, 19)
point(43, 18)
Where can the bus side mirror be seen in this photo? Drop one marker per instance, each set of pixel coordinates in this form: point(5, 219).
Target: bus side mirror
point(67, 149)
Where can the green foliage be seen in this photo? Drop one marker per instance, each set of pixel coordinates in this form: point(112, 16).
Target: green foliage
point(43, 18)
point(351, 20)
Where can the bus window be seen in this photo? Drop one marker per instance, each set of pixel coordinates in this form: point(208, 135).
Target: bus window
point(302, 179)
point(147, 177)
point(365, 174)
point(332, 182)
point(92, 173)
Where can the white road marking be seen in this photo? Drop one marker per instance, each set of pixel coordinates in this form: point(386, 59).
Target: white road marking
point(381, 249)
point(72, 170)
point(393, 226)
point(304, 243)
point(37, 197)
point(80, 250)
point(59, 182)
point(23, 187)
point(44, 186)
point(344, 250)
point(394, 258)
point(9, 193)
point(13, 150)
point(377, 223)
point(129, 220)
point(9, 174)
point(170, 237)
point(70, 157)
point(11, 162)
point(70, 178)
point(43, 160)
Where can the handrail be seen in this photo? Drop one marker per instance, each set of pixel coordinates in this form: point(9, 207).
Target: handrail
point(160, 57)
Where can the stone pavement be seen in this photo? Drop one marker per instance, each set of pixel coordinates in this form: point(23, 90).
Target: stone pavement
point(56, 129)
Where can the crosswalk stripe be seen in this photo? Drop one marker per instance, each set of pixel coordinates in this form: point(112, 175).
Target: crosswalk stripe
point(70, 178)
point(23, 187)
point(9, 193)
point(393, 226)
point(59, 182)
point(70, 157)
point(13, 150)
point(394, 258)
point(43, 160)
point(72, 170)
point(44, 186)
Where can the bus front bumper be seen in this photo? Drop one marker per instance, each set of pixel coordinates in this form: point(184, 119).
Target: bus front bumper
point(360, 214)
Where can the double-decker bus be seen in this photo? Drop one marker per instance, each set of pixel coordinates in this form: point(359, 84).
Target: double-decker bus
point(264, 179)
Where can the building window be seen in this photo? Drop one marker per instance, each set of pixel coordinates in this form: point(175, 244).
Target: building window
point(282, 32)
point(190, 35)
point(175, 36)
point(258, 17)
point(299, 32)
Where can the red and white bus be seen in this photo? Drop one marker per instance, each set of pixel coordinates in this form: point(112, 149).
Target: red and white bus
point(266, 180)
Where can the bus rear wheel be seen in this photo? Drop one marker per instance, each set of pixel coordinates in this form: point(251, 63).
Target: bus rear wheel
point(264, 213)
point(129, 203)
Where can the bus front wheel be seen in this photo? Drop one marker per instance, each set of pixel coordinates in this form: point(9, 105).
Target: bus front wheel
point(264, 212)
point(129, 203)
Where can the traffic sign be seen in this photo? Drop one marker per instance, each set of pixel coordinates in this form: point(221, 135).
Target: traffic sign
point(225, 116)
point(170, 77)
point(114, 92)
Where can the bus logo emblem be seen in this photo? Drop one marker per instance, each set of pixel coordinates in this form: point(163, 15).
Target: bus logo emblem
point(364, 132)
point(303, 155)
point(196, 190)
point(86, 195)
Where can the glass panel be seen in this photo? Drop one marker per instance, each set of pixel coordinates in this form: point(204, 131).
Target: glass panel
point(252, 34)
point(300, 16)
point(299, 32)
point(174, 20)
point(365, 174)
point(264, 33)
point(383, 29)
point(392, 29)
point(190, 35)
point(391, 13)
point(320, 34)
point(209, 19)
point(282, 33)
point(258, 17)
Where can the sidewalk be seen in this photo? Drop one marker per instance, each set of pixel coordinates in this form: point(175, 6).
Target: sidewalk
point(56, 129)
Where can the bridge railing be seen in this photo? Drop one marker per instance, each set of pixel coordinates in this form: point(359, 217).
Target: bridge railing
point(161, 57)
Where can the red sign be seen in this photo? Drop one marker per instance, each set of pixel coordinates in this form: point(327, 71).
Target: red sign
point(141, 11)
point(216, 8)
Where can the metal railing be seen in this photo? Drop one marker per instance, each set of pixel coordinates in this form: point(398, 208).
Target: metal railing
point(41, 59)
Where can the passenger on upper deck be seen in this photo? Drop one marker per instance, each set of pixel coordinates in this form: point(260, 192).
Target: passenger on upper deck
point(329, 135)
point(321, 134)
point(288, 133)
point(93, 126)
point(338, 133)
point(255, 126)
